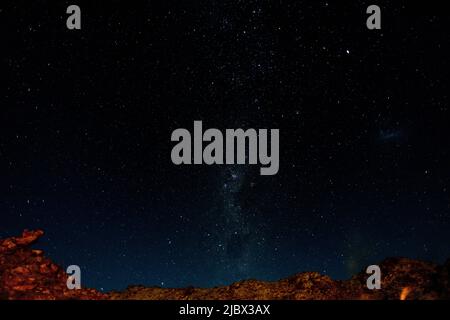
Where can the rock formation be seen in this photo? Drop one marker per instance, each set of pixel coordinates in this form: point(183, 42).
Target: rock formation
point(26, 274)
point(401, 279)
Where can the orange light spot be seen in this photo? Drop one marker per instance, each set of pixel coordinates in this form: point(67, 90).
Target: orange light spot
point(405, 292)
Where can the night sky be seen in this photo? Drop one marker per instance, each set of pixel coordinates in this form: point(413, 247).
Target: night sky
point(85, 137)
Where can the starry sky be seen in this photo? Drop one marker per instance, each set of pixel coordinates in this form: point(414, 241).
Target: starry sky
point(86, 119)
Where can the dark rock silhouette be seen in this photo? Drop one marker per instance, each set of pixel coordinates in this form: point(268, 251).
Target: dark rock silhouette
point(26, 274)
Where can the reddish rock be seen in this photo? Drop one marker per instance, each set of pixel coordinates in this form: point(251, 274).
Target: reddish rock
point(26, 274)
point(402, 279)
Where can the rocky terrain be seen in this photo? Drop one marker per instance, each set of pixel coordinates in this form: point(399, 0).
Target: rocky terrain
point(403, 279)
point(25, 273)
